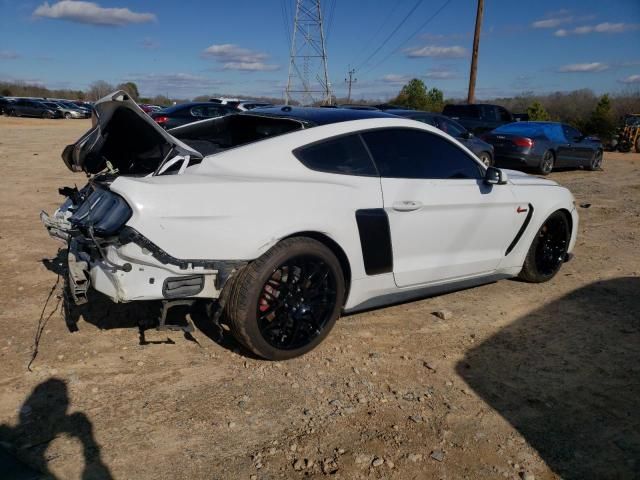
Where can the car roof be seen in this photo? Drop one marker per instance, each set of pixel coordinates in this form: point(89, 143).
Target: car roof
point(319, 115)
point(405, 112)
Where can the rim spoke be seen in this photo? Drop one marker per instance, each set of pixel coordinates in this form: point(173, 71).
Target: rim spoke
point(296, 302)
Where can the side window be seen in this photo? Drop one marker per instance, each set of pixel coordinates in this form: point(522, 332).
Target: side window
point(345, 155)
point(489, 113)
point(452, 128)
point(571, 134)
point(505, 116)
point(199, 111)
point(214, 111)
point(406, 153)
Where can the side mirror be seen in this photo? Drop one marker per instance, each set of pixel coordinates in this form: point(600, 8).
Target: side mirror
point(495, 176)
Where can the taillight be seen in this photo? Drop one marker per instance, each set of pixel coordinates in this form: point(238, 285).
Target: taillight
point(161, 119)
point(523, 142)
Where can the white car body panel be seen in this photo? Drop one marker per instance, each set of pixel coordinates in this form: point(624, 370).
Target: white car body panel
point(235, 205)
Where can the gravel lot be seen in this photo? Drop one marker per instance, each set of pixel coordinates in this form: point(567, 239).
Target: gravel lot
point(522, 381)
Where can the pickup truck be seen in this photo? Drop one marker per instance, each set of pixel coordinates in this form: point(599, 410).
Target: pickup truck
point(479, 117)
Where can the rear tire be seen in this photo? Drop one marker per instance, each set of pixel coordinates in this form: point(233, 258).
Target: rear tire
point(67, 115)
point(548, 250)
point(46, 115)
point(596, 161)
point(547, 163)
point(266, 309)
point(638, 144)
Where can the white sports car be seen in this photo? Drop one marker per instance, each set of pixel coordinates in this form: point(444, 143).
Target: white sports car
point(289, 216)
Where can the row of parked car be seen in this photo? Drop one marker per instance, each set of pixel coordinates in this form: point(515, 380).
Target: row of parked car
point(44, 107)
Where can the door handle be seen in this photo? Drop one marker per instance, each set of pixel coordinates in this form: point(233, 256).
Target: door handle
point(407, 205)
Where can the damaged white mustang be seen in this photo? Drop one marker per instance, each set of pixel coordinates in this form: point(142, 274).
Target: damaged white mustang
point(288, 216)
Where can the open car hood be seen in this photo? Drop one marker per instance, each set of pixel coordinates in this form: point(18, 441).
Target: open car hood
point(123, 139)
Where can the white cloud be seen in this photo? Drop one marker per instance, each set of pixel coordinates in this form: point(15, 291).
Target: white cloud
point(583, 67)
point(631, 79)
point(8, 55)
point(173, 83)
point(551, 22)
point(439, 74)
point(234, 57)
point(436, 51)
point(604, 27)
point(396, 78)
point(91, 13)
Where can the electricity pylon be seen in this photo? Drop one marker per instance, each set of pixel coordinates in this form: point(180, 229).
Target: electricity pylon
point(308, 80)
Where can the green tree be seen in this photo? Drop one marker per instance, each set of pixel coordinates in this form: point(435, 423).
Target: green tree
point(413, 95)
point(435, 98)
point(537, 112)
point(601, 122)
point(131, 88)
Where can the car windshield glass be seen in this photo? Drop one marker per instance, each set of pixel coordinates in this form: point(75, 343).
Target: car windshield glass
point(520, 128)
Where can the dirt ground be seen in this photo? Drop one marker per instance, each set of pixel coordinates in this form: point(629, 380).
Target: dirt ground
point(522, 381)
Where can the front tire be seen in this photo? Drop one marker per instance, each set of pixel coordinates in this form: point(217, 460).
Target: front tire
point(547, 163)
point(638, 144)
point(485, 158)
point(596, 161)
point(286, 302)
point(548, 250)
point(67, 116)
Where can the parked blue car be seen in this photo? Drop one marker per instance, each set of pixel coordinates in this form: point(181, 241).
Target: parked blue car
point(543, 146)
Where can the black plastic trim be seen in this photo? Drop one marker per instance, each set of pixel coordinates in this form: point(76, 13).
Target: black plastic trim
point(224, 267)
point(524, 226)
point(375, 240)
point(180, 287)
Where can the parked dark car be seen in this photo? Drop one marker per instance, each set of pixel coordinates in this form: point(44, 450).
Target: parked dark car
point(184, 113)
point(4, 103)
point(482, 149)
point(544, 146)
point(479, 117)
point(25, 107)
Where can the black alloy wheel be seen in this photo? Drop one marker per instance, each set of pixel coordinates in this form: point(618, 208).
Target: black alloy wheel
point(553, 242)
point(596, 161)
point(546, 164)
point(485, 158)
point(297, 302)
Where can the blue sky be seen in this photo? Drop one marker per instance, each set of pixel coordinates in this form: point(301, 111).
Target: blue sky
point(189, 48)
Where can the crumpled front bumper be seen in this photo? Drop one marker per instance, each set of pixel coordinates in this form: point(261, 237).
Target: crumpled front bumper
point(129, 267)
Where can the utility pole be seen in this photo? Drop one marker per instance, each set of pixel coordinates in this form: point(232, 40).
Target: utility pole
point(350, 81)
point(308, 78)
point(471, 98)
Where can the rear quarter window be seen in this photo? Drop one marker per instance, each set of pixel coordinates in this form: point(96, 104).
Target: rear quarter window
point(344, 155)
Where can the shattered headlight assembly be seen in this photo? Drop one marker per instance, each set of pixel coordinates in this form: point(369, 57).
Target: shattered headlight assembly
point(103, 213)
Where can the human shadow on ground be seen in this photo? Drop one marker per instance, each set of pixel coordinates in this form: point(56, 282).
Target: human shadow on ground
point(43, 417)
point(567, 377)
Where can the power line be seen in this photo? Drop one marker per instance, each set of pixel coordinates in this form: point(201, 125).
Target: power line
point(387, 17)
point(435, 14)
point(331, 9)
point(402, 22)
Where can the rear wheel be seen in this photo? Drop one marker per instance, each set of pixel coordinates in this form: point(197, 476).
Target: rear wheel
point(286, 302)
point(547, 163)
point(485, 158)
point(67, 115)
point(596, 161)
point(638, 144)
point(46, 115)
point(548, 249)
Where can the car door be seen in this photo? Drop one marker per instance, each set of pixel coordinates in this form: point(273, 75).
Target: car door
point(446, 223)
point(581, 151)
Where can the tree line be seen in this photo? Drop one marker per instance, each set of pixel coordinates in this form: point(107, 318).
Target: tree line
point(590, 113)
